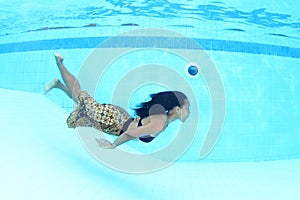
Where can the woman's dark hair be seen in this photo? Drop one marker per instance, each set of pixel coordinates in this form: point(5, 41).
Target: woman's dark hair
point(160, 103)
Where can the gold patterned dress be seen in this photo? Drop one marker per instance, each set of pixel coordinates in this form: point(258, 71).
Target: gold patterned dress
point(106, 118)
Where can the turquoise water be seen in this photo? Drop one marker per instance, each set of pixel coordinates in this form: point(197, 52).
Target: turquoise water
point(254, 47)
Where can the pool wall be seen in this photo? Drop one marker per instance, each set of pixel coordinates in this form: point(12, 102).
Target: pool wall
point(260, 79)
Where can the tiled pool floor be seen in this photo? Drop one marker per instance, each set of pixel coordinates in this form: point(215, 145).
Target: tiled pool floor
point(43, 159)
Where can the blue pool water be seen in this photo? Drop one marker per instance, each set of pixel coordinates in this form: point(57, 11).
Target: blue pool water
point(237, 61)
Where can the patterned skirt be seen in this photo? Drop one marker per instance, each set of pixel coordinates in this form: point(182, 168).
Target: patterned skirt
point(106, 118)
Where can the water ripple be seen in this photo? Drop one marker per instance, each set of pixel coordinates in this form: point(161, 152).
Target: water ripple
point(120, 12)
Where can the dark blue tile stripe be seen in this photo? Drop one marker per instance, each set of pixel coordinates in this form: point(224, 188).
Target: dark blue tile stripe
point(150, 42)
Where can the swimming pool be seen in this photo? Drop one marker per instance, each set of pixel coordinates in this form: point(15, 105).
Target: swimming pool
point(252, 49)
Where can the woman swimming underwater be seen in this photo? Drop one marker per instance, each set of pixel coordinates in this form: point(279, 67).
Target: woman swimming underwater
point(152, 116)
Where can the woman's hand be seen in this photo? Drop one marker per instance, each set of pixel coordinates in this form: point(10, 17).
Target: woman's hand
point(105, 144)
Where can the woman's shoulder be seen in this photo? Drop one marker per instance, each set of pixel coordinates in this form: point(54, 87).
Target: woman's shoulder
point(155, 120)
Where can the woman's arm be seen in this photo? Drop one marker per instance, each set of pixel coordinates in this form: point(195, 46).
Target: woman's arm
point(120, 140)
point(156, 124)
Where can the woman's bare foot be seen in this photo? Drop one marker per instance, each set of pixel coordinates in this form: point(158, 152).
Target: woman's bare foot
point(51, 85)
point(58, 57)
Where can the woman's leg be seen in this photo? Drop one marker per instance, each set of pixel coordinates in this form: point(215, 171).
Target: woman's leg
point(72, 88)
point(56, 83)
